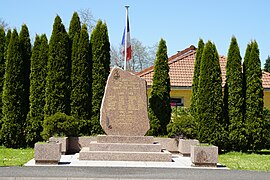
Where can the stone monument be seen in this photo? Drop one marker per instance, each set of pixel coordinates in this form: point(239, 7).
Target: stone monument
point(124, 119)
point(124, 105)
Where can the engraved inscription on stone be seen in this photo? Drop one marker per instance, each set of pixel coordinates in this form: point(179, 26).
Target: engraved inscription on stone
point(124, 105)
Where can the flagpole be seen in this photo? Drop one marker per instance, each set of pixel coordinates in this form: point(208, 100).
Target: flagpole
point(125, 60)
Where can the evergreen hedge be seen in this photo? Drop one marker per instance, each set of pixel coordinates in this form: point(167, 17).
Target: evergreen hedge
point(210, 103)
point(58, 80)
point(13, 100)
point(2, 71)
point(100, 46)
point(25, 47)
point(74, 26)
point(74, 29)
point(253, 97)
point(7, 40)
point(235, 98)
point(267, 64)
point(2, 67)
point(38, 75)
point(81, 81)
point(196, 76)
point(159, 100)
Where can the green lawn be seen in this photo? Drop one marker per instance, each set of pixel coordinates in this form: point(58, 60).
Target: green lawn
point(15, 157)
point(246, 161)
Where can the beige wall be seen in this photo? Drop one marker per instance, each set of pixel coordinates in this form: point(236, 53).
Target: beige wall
point(186, 94)
point(182, 93)
point(266, 98)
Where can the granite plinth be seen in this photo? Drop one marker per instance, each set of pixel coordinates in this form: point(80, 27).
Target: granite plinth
point(63, 141)
point(125, 139)
point(75, 144)
point(48, 153)
point(204, 156)
point(170, 144)
point(94, 146)
point(124, 105)
point(185, 145)
point(86, 154)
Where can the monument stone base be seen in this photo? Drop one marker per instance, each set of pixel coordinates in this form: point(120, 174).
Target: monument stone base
point(125, 148)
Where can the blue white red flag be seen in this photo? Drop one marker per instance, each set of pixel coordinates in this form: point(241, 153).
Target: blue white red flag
point(126, 42)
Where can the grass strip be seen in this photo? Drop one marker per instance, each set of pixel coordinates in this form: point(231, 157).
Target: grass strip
point(246, 161)
point(15, 157)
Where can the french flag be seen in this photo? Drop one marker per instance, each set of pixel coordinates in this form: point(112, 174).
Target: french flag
point(126, 42)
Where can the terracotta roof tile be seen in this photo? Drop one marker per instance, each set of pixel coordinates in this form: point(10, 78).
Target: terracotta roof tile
point(182, 69)
point(266, 79)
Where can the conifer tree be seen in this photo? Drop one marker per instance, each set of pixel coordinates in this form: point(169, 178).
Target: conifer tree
point(58, 79)
point(2, 71)
point(75, 26)
point(159, 100)
point(196, 76)
point(25, 46)
point(245, 74)
point(6, 43)
point(210, 103)
point(74, 29)
point(235, 97)
point(100, 45)
point(13, 110)
point(254, 97)
point(38, 74)
point(81, 81)
point(2, 66)
point(7, 39)
point(267, 64)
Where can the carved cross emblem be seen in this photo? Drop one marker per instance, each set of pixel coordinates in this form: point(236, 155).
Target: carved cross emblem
point(116, 75)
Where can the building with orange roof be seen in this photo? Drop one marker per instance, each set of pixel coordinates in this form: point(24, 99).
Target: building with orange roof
point(181, 76)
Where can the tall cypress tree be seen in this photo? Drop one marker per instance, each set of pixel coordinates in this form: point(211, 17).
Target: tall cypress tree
point(37, 89)
point(74, 26)
point(159, 100)
point(8, 36)
point(25, 45)
point(74, 30)
point(235, 98)
point(196, 76)
point(2, 70)
point(2, 66)
point(254, 98)
point(210, 103)
point(267, 64)
point(100, 46)
point(58, 79)
point(13, 99)
point(81, 81)
point(245, 74)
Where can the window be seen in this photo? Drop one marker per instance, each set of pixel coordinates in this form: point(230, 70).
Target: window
point(177, 102)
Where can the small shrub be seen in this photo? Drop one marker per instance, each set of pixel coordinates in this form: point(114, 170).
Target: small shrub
point(182, 125)
point(60, 124)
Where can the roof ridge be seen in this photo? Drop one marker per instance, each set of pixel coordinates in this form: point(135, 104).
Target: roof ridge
point(180, 54)
point(266, 72)
point(190, 48)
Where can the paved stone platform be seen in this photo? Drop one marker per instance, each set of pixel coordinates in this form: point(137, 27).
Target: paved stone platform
point(73, 160)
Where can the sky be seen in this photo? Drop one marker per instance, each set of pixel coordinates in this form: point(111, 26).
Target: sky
point(180, 23)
